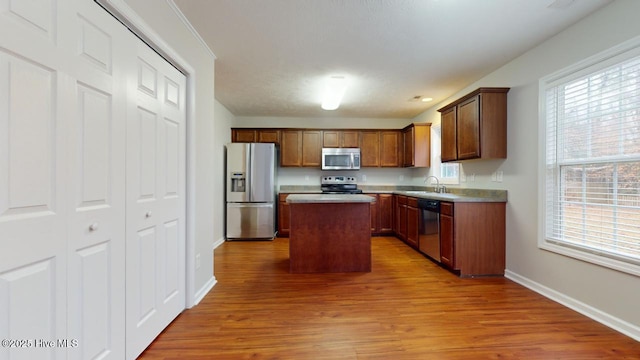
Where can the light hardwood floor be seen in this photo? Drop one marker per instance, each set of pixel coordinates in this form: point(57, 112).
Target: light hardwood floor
point(406, 308)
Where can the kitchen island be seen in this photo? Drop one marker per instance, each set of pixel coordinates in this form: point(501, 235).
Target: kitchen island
point(329, 233)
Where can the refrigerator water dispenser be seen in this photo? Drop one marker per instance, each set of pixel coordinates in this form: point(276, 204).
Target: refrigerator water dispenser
point(238, 182)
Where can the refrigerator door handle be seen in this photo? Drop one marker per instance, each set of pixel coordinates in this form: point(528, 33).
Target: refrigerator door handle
point(249, 176)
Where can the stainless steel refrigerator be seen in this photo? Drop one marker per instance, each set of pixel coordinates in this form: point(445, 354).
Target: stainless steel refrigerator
point(251, 191)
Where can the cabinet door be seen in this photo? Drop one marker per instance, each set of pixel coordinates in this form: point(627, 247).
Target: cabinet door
point(375, 228)
point(268, 136)
point(291, 148)
point(390, 155)
point(402, 217)
point(446, 235)
point(409, 135)
point(412, 222)
point(330, 139)
point(448, 144)
point(243, 135)
point(385, 208)
point(468, 128)
point(283, 216)
point(312, 148)
point(349, 139)
point(370, 148)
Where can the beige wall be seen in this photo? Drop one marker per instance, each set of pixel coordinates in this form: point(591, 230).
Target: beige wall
point(606, 294)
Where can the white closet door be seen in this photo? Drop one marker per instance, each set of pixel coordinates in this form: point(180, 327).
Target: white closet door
point(33, 197)
point(155, 200)
point(96, 179)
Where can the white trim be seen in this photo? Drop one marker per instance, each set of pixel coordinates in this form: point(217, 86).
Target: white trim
point(135, 23)
point(611, 56)
point(606, 319)
point(218, 243)
point(200, 294)
point(188, 25)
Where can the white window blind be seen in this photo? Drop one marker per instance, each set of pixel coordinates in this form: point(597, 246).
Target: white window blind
point(592, 163)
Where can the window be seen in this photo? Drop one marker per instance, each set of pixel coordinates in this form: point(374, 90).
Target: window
point(591, 195)
point(450, 173)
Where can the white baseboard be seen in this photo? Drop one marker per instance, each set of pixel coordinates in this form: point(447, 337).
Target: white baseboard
point(204, 290)
point(606, 319)
point(218, 242)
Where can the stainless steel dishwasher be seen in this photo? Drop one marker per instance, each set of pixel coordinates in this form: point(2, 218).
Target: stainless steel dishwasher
point(429, 228)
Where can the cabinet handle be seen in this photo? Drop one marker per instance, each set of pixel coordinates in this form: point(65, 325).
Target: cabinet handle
point(93, 227)
point(148, 214)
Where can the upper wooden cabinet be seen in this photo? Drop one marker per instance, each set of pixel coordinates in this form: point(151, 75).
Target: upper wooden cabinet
point(417, 145)
point(475, 126)
point(300, 148)
point(378, 148)
point(312, 148)
point(255, 135)
point(340, 139)
point(369, 148)
point(390, 145)
point(291, 148)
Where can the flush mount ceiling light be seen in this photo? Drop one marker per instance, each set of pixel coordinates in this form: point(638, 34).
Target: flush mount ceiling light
point(333, 92)
point(421, 98)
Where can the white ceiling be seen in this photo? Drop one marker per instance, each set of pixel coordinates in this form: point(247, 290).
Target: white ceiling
point(272, 55)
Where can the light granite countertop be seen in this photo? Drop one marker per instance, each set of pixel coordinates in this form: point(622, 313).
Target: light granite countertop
point(329, 198)
point(452, 195)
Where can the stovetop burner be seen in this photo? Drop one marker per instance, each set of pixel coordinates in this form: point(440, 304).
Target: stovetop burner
point(339, 185)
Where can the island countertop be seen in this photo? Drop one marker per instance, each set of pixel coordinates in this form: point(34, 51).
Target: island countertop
point(329, 198)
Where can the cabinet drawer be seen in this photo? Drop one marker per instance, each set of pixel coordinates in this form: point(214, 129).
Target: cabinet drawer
point(446, 208)
point(402, 200)
point(412, 202)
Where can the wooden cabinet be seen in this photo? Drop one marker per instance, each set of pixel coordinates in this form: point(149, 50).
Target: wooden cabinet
point(472, 238)
point(412, 222)
point(381, 214)
point(369, 148)
point(283, 216)
point(390, 145)
point(291, 148)
point(255, 135)
point(312, 148)
point(446, 234)
point(401, 217)
point(385, 208)
point(340, 139)
point(268, 136)
point(375, 215)
point(417, 145)
point(475, 126)
point(243, 135)
point(448, 148)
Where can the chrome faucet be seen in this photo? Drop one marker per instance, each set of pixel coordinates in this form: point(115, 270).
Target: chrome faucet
point(439, 188)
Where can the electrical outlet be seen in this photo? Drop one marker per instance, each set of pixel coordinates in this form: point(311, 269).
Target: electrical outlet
point(499, 176)
point(198, 261)
point(463, 177)
point(493, 176)
point(306, 178)
point(364, 178)
point(472, 178)
point(401, 177)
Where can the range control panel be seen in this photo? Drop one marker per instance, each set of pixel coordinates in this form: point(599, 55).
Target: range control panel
point(338, 179)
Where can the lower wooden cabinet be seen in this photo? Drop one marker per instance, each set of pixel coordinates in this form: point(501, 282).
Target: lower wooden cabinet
point(446, 234)
point(412, 222)
point(472, 238)
point(381, 214)
point(385, 208)
point(283, 216)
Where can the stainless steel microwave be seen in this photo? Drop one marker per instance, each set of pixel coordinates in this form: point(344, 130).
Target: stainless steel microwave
point(340, 158)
